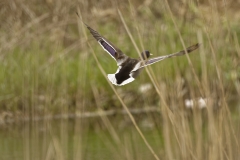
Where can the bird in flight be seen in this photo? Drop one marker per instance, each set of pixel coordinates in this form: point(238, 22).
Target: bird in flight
point(129, 68)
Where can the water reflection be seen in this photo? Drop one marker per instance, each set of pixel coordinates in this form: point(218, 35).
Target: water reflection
point(115, 137)
point(76, 139)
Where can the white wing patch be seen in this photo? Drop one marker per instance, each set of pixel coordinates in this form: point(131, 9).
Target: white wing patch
point(137, 66)
point(112, 78)
point(129, 80)
point(118, 69)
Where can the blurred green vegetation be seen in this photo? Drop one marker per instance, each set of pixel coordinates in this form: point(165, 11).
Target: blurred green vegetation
point(47, 67)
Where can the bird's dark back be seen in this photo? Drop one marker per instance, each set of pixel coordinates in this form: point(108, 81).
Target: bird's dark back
point(126, 69)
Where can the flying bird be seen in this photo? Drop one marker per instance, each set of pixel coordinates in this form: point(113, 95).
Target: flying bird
point(129, 68)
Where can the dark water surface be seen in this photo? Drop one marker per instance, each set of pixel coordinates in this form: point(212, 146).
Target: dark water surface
point(108, 138)
point(76, 139)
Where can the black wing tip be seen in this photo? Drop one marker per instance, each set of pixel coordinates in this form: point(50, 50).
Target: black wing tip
point(82, 20)
point(77, 14)
point(193, 47)
point(198, 45)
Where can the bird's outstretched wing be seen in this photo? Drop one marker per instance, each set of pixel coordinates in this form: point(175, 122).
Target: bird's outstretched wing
point(180, 53)
point(113, 51)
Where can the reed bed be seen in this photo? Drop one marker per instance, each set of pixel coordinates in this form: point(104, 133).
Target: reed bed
point(54, 90)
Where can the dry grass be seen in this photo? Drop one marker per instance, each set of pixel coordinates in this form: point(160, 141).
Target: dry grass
point(49, 67)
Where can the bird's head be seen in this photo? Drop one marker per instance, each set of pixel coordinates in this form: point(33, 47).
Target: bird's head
point(145, 55)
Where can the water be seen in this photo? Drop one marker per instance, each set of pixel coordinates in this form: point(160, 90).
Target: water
point(108, 138)
point(79, 139)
